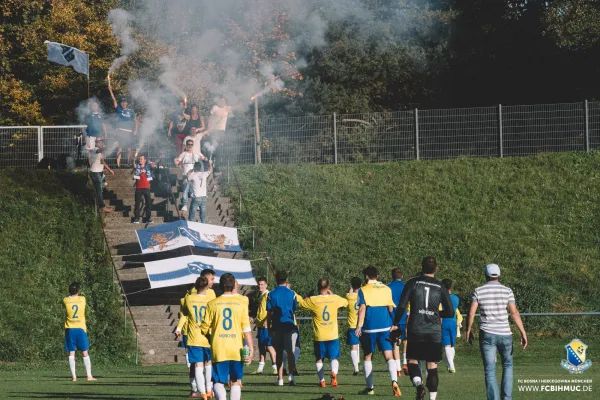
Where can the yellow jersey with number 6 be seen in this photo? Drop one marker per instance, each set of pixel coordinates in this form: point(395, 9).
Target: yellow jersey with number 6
point(75, 308)
point(352, 309)
point(324, 315)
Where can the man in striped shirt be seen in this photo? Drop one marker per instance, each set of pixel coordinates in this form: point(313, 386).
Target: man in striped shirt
point(494, 331)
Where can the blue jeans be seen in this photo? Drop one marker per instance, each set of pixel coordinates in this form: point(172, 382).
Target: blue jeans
point(187, 188)
point(97, 181)
point(198, 202)
point(489, 345)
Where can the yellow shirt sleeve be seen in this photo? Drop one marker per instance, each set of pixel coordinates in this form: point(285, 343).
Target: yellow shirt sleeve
point(261, 314)
point(459, 317)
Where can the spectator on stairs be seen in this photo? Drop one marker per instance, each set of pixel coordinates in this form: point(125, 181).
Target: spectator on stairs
point(186, 160)
point(142, 176)
point(97, 165)
point(198, 180)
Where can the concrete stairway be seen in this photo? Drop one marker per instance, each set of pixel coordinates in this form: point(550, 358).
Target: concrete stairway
point(155, 312)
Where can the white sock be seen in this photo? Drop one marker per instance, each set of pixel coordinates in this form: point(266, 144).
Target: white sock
point(320, 371)
point(368, 369)
point(200, 382)
point(432, 395)
point(208, 377)
point(354, 357)
point(274, 366)
point(88, 365)
point(187, 361)
point(335, 366)
point(398, 365)
point(393, 370)
point(220, 392)
point(416, 381)
point(193, 383)
point(261, 366)
point(404, 358)
point(450, 356)
point(72, 366)
point(235, 393)
point(297, 353)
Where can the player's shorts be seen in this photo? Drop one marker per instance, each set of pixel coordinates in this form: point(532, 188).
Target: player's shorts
point(427, 351)
point(263, 337)
point(351, 337)
point(76, 339)
point(368, 340)
point(327, 349)
point(449, 334)
point(198, 354)
point(226, 371)
point(184, 341)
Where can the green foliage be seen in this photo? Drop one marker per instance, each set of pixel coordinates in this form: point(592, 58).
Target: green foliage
point(536, 217)
point(52, 237)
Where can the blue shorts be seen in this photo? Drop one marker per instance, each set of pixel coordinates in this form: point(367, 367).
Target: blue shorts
point(76, 339)
point(327, 349)
point(449, 334)
point(198, 354)
point(351, 337)
point(381, 339)
point(263, 337)
point(226, 371)
point(184, 341)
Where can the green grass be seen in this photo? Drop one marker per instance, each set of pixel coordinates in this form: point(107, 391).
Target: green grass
point(540, 361)
point(50, 238)
point(537, 217)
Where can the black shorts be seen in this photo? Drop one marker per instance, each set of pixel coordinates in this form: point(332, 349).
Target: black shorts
point(427, 351)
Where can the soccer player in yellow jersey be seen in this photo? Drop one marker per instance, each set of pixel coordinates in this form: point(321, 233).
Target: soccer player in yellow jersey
point(351, 338)
point(262, 335)
point(227, 321)
point(76, 331)
point(324, 309)
point(373, 327)
point(197, 344)
point(209, 274)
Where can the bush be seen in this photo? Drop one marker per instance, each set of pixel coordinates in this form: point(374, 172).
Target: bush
point(534, 216)
point(52, 237)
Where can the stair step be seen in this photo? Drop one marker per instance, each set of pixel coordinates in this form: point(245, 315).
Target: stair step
point(142, 322)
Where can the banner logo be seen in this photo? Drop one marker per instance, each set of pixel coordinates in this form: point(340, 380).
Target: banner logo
point(576, 361)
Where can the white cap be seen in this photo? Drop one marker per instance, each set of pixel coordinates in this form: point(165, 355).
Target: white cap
point(492, 270)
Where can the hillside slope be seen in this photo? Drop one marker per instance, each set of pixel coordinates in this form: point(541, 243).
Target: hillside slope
point(537, 217)
point(50, 238)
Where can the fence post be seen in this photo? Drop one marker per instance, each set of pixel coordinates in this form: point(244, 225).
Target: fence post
point(587, 126)
point(335, 138)
point(257, 131)
point(40, 143)
point(500, 141)
point(417, 155)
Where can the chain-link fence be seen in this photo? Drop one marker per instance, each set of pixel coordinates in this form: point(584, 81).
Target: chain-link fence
point(496, 131)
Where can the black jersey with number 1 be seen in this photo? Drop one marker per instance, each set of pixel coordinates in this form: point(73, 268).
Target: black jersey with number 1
point(425, 294)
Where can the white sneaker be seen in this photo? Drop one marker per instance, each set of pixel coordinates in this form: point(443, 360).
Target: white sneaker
point(184, 208)
point(279, 382)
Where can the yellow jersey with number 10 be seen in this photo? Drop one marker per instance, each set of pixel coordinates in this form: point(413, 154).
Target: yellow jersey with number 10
point(226, 319)
point(195, 308)
point(75, 308)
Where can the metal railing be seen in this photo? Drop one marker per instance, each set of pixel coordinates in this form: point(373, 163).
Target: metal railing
point(496, 131)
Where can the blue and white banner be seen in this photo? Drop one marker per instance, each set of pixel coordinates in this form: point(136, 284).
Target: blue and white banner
point(185, 270)
point(177, 234)
point(67, 55)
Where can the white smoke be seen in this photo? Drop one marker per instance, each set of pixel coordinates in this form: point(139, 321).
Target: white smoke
point(169, 77)
point(119, 21)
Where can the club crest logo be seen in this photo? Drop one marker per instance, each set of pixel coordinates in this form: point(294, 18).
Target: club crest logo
point(576, 361)
point(197, 267)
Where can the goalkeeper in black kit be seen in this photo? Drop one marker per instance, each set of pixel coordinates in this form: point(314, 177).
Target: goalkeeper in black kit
point(424, 328)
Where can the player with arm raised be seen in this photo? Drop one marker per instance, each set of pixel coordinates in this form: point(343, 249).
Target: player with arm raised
point(227, 321)
point(351, 338)
point(424, 293)
point(324, 309)
point(374, 325)
point(75, 330)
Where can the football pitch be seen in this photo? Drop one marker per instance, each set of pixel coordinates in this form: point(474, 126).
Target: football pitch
point(540, 361)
